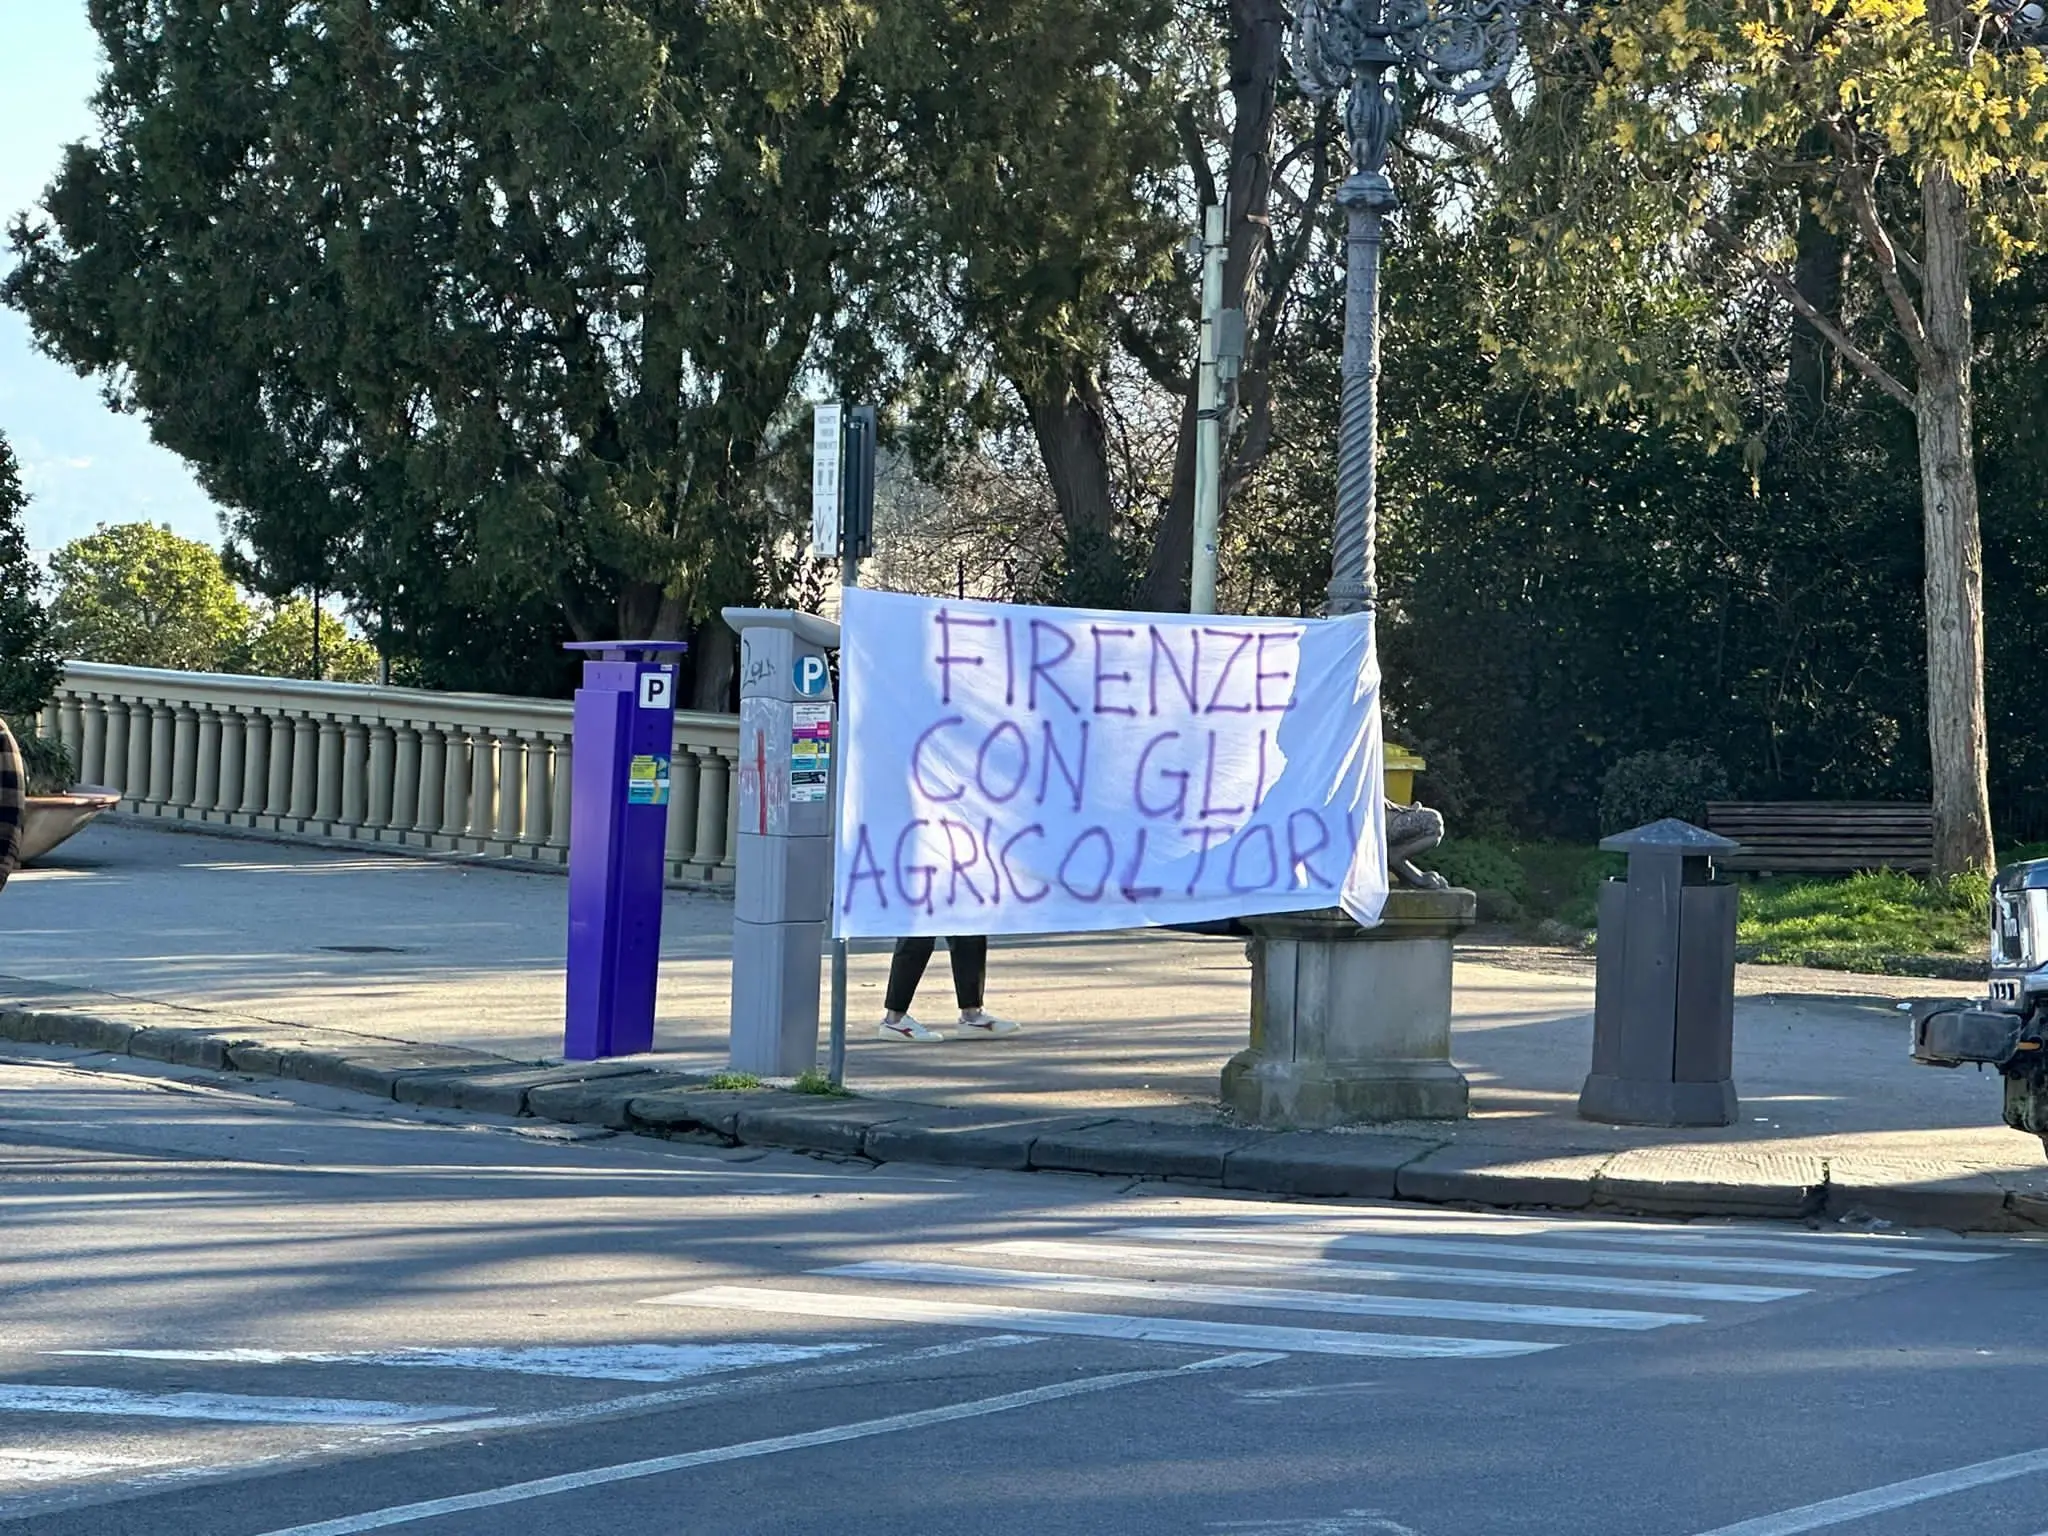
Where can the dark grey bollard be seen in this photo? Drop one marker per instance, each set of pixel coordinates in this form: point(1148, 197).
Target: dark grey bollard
point(1664, 992)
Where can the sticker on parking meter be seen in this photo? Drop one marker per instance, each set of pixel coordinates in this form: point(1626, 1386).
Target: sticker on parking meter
point(810, 752)
point(809, 676)
point(647, 780)
point(657, 689)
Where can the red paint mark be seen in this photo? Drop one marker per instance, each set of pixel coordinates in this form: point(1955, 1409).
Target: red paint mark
point(761, 775)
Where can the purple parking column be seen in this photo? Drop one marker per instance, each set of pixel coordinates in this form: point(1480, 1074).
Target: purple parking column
point(618, 825)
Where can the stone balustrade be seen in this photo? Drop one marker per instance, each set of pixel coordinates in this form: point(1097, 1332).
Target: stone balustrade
point(479, 774)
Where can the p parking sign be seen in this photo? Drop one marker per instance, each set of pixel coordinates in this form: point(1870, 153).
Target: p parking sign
point(810, 676)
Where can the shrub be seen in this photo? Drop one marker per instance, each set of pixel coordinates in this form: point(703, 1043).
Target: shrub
point(47, 765)
point(1479, 866)
point(1649, 786)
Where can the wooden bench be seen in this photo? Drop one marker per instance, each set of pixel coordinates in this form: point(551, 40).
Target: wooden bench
point(1826, 837)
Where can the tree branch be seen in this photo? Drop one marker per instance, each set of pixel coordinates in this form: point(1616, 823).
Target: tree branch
point(1856, 180)
point(1857, 358)
point(1195, 153)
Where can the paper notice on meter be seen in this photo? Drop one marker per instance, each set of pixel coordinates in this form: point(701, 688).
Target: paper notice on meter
point(810, 752)
point(647, 780)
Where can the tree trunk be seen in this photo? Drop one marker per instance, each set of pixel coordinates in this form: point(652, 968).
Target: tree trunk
point(1812, 369)
point(647, 612)
point(1257, 28)
point(1072, 429)
point(1954, 547)
point(714, 659)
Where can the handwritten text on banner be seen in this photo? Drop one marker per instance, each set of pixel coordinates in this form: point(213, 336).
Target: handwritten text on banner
point(1057, 770)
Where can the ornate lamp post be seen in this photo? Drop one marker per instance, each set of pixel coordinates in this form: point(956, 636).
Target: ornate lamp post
point(1460, 48)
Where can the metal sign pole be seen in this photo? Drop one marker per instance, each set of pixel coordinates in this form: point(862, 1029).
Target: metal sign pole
point(853, 491)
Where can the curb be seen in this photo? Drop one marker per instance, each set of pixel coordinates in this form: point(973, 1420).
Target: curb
point(639, 1100)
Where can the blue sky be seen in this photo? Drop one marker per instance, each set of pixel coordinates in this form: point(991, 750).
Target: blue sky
point(82, 464)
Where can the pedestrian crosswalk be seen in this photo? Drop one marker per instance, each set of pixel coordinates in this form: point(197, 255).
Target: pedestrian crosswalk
point(1396, 1277)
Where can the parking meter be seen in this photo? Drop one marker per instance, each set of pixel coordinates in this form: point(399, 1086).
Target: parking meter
point(625, 725)
point(782, 885)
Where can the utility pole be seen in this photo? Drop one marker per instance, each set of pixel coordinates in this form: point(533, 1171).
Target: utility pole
point(843, 501)
point(1208, 420)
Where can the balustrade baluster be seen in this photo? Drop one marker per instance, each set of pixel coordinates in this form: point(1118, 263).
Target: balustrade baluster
point(562, 801)
point(354, 802)
point(92, 759)
point(511, 783)
point(205, 762)
point(455, 788)
point(305, 769)
point(483, 783)
point(383, 764)
point(713, 778)
point(433, 783)
point(533, 825)
point(234, 749)
point(405, 781)
point(284, 740)
point(71, 728)
point(163, 725)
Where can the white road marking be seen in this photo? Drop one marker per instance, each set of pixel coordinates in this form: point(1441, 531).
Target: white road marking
point(1877, 1501)
point(837, 1434)
point(1158, 1256)
point(219, 1407)
point(1283, 1300)
point(19, 1464)
point(1512, 1250)
point(1902, 1251)
point(1351, 1522)
point(1094, 1325)
point(609, 1362)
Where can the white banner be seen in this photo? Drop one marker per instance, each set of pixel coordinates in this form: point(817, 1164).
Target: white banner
point(1058, 770)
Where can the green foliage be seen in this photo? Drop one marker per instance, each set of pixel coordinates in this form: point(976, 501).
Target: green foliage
point(280, 644)
point(733, 1082)
point(814, 1081)
point(1479, 866)
point(28, 657)
point(1650, 786)
point(47, 764)
point(1869, 922)
point(141, 596)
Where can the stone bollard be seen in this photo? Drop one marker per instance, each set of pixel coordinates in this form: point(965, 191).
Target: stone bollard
point(1664, 984)
point(1352, 1025)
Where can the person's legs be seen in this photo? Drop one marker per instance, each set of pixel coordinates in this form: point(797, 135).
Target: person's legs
point(970, 971)
point(906, 970)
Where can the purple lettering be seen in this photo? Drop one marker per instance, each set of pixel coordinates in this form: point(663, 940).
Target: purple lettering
point(1298, 856)
point(1259, 788)
point(1023, 763)
point(1209, 836)
point(917, 763)
point(959, 870)
point(1096, 633)
point(1108, 859)
point(1190, 684)
point(1261, 677)
point(930, 871)
point(1132, 891)
point(1240, 888)
point(1244, 638)
point(948, 658)
point(995, 868)
point(1041, 668)
point(1050, 754)
point(1009, 665)
point(1179, 807)
point(863, 850)
point(1034, 830)
point(1209, 806)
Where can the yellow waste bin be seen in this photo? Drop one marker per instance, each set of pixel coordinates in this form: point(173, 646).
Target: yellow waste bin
point(1402, 766)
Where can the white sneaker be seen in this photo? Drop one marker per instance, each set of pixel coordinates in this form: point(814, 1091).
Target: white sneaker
point(981, 1022)
point(906, 1028)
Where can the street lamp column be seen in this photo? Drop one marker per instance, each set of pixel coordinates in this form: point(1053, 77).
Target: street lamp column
point(1459, 48)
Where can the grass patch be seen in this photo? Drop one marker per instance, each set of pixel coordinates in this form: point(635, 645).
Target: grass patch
point(1556, 881)
point(814, 1081)
point(1868, 922)
point(733, 1081)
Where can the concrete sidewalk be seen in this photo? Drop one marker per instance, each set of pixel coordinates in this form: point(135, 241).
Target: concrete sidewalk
point(338, 956)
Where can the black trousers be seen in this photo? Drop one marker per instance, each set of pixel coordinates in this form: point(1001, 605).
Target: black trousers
point(906, 970)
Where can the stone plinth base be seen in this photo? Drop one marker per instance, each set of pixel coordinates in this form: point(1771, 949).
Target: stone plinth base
point(1352, 1025)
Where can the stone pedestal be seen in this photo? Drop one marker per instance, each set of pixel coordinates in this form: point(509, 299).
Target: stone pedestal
point(1352, 1025)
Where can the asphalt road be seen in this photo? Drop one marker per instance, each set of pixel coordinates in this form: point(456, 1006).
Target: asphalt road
point(238, 1310)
